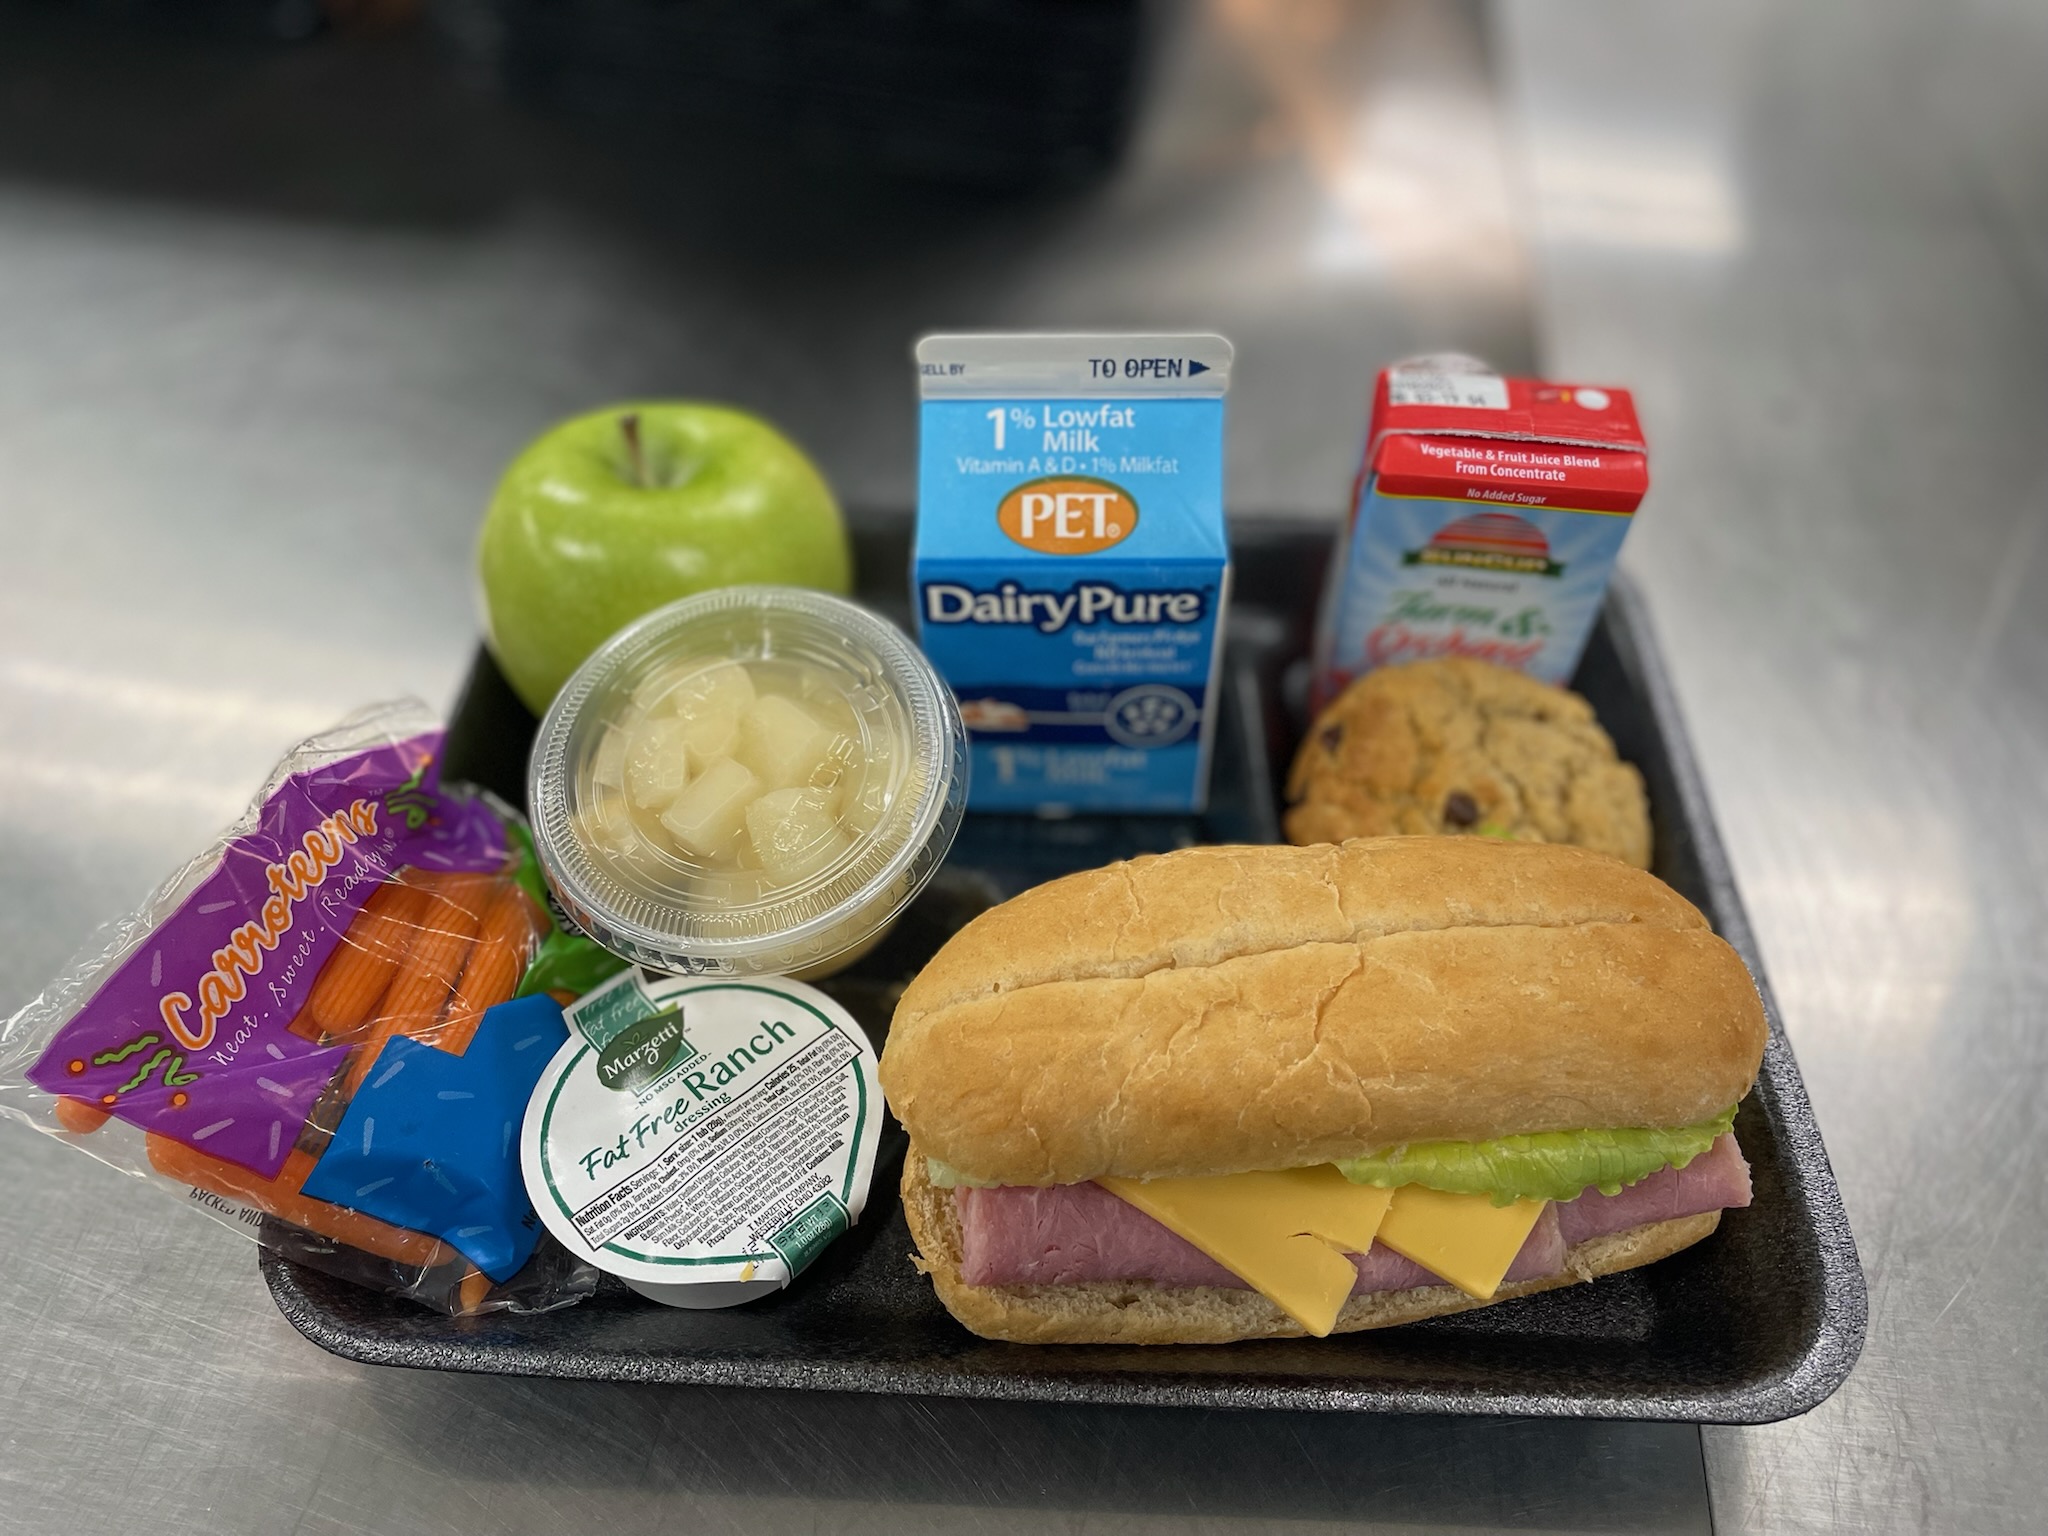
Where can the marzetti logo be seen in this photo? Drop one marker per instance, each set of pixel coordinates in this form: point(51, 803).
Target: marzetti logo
point(1490, 541)
point(642, 1052)
point(1068, 515)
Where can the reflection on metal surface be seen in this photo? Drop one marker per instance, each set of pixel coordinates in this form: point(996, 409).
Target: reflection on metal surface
point(1636, 193)
point(1394, 116)
point(2011, 580)
point(1423, 192)
point(1899, 950)
point(120, 693)
point(1844, 545)
point(42, 785)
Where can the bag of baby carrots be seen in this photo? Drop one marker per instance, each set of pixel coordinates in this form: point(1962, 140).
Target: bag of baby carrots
point(323, 1031)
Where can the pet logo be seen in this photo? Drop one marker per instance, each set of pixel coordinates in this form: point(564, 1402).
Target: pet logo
point(1068, 515)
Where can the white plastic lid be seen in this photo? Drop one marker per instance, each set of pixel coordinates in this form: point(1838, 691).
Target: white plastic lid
point(648, 902)
point(703, 1138)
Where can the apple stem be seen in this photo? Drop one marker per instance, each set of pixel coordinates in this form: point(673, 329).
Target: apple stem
point(629, 424)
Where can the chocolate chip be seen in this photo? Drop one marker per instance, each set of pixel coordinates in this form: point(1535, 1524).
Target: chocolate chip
point(1460, 809)
point(1331, 735)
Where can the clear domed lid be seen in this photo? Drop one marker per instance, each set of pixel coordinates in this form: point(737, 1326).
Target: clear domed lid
point(829, 769)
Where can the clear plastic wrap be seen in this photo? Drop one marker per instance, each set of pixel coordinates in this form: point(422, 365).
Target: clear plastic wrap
point(323, 1030)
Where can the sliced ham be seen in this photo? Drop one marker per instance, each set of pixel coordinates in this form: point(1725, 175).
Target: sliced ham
point(1385, 1270)
point(1069, 1233)
point(1716, 1180)
point(1073, 1232)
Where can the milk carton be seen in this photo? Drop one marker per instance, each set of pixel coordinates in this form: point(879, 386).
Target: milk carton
point(1071, 565)
point(1488, 516)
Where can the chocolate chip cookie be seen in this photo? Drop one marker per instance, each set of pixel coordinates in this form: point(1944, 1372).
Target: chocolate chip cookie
point(1461, 746)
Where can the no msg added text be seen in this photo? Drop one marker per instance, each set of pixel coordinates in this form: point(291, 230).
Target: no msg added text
point(701, 1082)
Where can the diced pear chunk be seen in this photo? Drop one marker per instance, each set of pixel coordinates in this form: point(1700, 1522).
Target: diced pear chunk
point(723, 688)
point(864, 812)
point(657, 766)
point(682, 687)
point(705, 818)
point(710, 736)
point(607, 824)
point(652, 694)
point(781, 741)
point(608, 767)
point(707, 701)
point(728, 888)
point(868, 801)
point(795, 833)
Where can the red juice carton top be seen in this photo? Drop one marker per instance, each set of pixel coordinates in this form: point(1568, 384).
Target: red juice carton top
point(1486, 519)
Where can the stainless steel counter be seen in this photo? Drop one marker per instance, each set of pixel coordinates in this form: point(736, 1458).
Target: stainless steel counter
point(272, 317)
point(1816, 239)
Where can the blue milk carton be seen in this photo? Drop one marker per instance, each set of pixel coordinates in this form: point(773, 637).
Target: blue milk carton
point(1072, 565)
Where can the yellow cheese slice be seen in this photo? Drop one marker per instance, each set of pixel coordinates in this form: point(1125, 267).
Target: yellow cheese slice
point(1280, 1233)
point(1466, 1239)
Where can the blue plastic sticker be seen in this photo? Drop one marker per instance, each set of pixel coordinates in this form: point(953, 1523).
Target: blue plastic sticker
point(431, 1141)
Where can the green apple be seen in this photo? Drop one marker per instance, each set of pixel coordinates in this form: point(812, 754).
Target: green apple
point(611, 515)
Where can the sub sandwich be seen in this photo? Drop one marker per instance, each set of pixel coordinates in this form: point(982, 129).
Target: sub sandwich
point(1259, 1092)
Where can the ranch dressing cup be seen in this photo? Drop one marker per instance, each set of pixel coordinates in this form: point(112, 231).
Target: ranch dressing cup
point(704, 1139)
point(753, 781)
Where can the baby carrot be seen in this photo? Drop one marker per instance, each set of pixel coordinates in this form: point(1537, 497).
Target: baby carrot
point(325, 1116)
point(78, 1116)
point(358, 972)
point(512, 928)
point(426, 978)
point(476, 1285)
point(448, 930)
point(283, 1197)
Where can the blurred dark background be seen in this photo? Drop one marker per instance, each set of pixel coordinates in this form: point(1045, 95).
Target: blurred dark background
point(1005, 94)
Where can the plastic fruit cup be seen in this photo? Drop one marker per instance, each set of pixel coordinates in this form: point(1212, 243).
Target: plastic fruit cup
point(896, 783)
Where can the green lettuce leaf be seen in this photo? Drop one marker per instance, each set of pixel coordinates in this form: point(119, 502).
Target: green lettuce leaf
point(946, 1176)
point(568, 962)
point(1552, 1165)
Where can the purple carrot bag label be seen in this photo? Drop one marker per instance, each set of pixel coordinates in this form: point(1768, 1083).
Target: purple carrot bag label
point(190, 1036)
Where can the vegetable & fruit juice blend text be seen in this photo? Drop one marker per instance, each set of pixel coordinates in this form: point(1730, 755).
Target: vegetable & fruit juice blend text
point(1488, 515)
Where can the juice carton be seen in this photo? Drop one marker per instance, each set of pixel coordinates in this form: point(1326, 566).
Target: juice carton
point(1488, 516)
point(1071, 565)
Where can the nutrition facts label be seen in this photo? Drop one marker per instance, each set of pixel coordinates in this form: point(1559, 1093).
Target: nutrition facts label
point(699, 1129)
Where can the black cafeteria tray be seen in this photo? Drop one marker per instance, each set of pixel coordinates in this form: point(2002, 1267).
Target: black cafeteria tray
point(1760, 1322)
